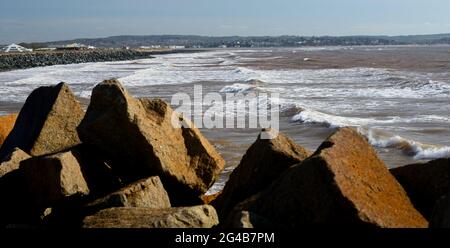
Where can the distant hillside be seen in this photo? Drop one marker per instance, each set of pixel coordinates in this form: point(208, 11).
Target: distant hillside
point(255, 41)
point(423, 39)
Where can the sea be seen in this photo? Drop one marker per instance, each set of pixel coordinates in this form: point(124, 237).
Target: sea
point(398, 97)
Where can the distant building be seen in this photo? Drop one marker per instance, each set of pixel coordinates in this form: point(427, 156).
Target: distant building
point(45, 49)
point(177, 47)
point(15, 48)
point(75, 46)
point(150, 47)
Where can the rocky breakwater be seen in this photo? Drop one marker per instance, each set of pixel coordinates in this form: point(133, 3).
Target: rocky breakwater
point(343, 183)
point(264, 161)
point(428, 187)
point(120, 164)
point(123, 164)
point(27, 60)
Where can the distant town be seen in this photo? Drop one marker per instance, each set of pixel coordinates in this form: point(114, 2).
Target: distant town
point(192, 41)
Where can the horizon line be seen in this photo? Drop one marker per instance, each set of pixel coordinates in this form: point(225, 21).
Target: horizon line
point(243, 36)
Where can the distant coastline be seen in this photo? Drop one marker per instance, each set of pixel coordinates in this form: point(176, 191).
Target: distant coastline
point(196, 41)
point(13, 61)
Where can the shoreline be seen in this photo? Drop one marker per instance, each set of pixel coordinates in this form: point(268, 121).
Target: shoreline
point(17, 61)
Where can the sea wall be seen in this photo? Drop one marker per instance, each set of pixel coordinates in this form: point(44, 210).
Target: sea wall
point(27, 60)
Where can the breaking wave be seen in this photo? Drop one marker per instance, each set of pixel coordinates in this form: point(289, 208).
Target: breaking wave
point(238, 88)
point(410, 147)
point(377, 138)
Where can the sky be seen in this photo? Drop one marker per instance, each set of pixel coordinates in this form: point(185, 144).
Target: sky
point(50, 20)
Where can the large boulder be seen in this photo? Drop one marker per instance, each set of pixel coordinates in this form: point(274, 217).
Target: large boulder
point(203, 216)
point(342, 183)
point(146, 193)
point(12, 162)
point(139, 139)
point(6, 125)
point(74, 174)
point(264, 161)
point(425, 183)
point(47, 122)
point(51, 179)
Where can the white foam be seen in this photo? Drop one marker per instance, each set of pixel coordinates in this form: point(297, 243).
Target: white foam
point(432, 152)
point(216, 188)
point(247, 73)
point(237, 88)
point(413, 148)
point(428, 119)
point(335, 121)
point(219, 184)
point(85, 94)
point(220, 67)
point(311, 116)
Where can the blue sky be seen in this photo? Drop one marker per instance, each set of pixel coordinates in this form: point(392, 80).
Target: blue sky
point(46, 20)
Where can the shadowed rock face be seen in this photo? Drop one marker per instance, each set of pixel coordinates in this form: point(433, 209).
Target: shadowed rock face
point(138, 137)
point(264, 161)
point(14, 203)
point(6, 125)
point(46, 123)
point(54, 178)
point(203, 216)
point(425, 183)
point(66, 179)
point(343, 183)
point(440, 217)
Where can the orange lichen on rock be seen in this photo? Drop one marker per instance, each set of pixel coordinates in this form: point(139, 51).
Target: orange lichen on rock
point(6, 125)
